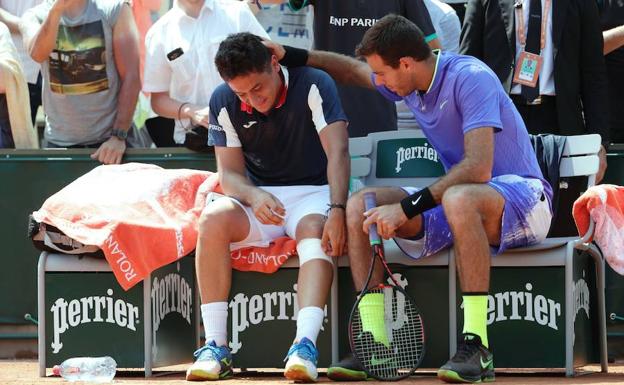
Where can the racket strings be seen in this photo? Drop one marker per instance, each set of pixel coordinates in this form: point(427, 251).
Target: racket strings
point(387, 333)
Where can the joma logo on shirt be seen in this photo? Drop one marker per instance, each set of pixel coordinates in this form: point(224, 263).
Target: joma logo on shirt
point(416, 152)
point(351, 21)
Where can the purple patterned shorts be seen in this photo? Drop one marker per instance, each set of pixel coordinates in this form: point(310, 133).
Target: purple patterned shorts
point(526, 219)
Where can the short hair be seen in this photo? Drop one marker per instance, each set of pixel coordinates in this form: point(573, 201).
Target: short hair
point(392, 38)
point(241, 54)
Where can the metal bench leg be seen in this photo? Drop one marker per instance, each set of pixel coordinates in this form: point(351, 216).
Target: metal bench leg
point(41, 313)
point(452, 303)
point(334, 314)
point(148, 344)
point(602, 315)
point(569, 312)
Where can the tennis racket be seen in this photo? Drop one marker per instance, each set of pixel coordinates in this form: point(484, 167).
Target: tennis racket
point(386, 331)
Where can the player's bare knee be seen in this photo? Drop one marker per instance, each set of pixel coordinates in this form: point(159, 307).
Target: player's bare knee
point(355, 209)
point(217, 221)
point(310, 226)
point(458, 200)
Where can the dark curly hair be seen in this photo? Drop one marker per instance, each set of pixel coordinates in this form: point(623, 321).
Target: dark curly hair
point(392, 38)
point(241, 54)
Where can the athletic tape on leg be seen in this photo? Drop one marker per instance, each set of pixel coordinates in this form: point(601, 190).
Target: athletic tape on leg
point(309, 249)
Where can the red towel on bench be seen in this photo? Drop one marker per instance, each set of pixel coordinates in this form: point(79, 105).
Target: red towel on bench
point(144, 217)
point(604, 204)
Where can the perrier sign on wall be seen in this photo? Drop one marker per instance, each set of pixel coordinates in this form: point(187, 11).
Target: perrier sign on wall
point(89, 314)
point(408, 157)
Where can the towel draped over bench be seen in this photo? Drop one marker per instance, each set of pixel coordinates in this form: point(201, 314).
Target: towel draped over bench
point(143, 217)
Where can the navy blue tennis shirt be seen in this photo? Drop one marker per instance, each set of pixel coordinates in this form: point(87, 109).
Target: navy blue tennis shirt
point(282, 148)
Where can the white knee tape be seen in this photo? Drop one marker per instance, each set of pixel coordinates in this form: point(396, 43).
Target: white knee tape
point(309, 249)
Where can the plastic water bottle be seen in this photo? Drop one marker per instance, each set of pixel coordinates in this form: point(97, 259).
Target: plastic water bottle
point(88, 369)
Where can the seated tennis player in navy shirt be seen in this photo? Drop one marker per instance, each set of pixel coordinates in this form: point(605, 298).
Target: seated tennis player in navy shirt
point(281, 145)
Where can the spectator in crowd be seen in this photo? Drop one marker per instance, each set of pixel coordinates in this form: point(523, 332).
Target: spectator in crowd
point(142, 12)
point(460, 8)
point(10, 13)
point(493, 196)
point(612, 16)
point(338, 27)
point(157, 126)
point(180, 49)
point(16, 129)
point(89, 54)
point(559, 80)
point(446, 24)
point(447, 27)
point(284, 25)
point(281, 144)
point(6, 137)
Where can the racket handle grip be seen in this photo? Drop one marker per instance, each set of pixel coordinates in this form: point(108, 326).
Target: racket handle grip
point(370, 201)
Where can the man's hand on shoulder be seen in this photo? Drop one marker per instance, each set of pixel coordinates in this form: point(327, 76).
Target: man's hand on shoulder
point(267, 208)
point(275, 48)
point(111, 151)
point(335, 233)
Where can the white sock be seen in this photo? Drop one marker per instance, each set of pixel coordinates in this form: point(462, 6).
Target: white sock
point(215, 315)
point(309, 322)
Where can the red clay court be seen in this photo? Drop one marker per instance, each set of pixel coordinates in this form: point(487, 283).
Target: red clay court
point(22, 372)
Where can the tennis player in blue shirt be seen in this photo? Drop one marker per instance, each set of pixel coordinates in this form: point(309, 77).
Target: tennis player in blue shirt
point(493, 196)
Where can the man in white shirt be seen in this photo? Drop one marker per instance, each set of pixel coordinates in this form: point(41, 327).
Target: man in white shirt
point(283, 25)
point(179, 62)
point(10, 13)
point(446, 24)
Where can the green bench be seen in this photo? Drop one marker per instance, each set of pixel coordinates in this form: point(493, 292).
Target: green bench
point(559, 278)
point(552, 292)
point(142, 330)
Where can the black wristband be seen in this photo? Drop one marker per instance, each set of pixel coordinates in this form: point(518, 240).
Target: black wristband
point(294, 57)
point(332, 206)
point(418, 203)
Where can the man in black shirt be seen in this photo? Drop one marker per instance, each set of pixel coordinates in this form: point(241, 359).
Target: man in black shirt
point(612, 18)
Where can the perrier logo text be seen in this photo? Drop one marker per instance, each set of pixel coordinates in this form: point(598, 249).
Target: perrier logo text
point(404, 154)
point(83, 310)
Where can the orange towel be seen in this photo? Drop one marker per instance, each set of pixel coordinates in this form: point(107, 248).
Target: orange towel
point(143, 217)
point(604, 204)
